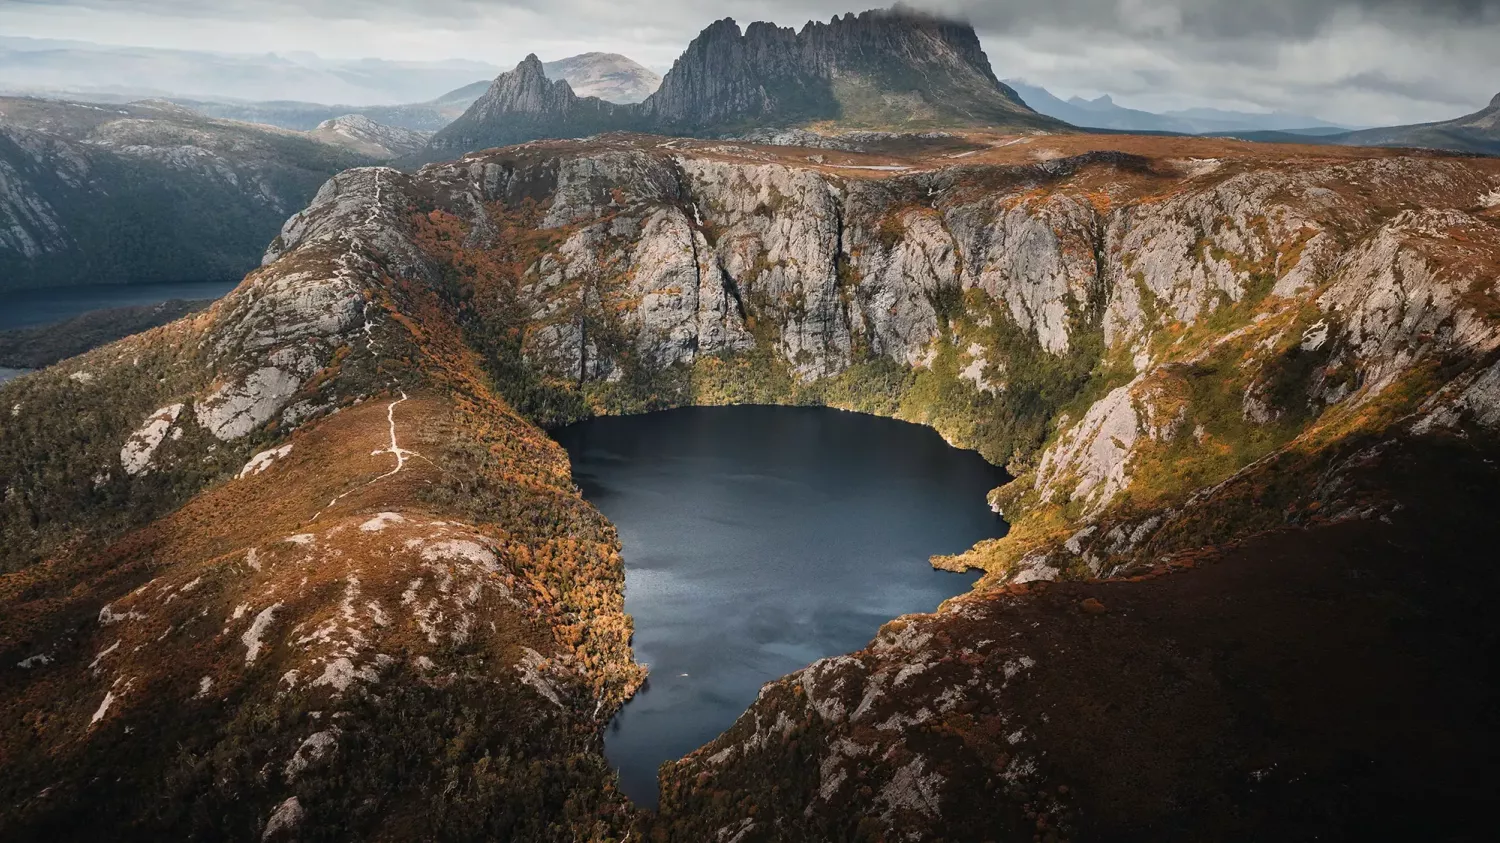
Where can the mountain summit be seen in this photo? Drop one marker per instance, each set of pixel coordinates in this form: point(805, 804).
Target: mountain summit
point(877, 69)
point(522, 105)
point(890, 69)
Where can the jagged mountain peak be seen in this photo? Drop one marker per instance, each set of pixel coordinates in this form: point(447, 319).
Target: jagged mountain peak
point(890, 69)
point(526, 89)
point(1495, 103)
point(880, 68)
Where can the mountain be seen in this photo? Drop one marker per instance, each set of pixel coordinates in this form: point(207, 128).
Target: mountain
point(372, 140)
point(74, 68)
point(307, 116)
point(1104, 113)
point(465, 96)
point(1478, 132)
point(1101, 113)
point(608, 76)
point(881, 69)
point(875, 70)
point(1205, 121)
point(306, 566)
point(144, 192)
point(522, 105)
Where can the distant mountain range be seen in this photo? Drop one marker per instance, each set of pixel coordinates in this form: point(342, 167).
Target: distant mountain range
point(609, 76)
point(31, 66)
point(1478, 132)
point(878, 70)
point(146, 192)
point(1104, 113)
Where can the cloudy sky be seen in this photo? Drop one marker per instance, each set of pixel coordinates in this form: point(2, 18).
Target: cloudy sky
point(1357, 61)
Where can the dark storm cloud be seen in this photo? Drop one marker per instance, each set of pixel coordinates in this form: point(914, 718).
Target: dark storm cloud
point(1231, 19)
point(1218, 18)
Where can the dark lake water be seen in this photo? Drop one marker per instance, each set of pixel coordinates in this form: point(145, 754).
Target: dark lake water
point(758, 540)
point(23, 308)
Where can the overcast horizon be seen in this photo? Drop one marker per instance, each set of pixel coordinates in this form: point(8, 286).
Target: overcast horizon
point(1367, 62)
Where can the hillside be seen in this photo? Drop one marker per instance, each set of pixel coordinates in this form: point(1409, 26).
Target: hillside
point(305, 565)
point(39, 346)
point(369, 139)
point(896, 70)
point(1478, 132)
point(608, 76)
point(145, 192)
point(1104, 113)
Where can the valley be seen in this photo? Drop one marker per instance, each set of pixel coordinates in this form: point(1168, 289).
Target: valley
point(814, 443)
point(1177, 346)
point(759, 539)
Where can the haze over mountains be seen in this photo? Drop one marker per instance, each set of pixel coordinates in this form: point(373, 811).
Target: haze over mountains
point(1103, 113)
point(1478, 132)
point(38, 66)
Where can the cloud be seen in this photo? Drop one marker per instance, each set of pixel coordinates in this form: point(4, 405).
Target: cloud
point(1359, 61)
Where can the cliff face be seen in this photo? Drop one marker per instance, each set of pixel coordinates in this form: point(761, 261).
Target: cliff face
point(321, 519)
point(145, 192)
point(880, 69)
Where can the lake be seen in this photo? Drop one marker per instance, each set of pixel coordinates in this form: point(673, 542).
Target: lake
point(24, 308)
point(758, 540)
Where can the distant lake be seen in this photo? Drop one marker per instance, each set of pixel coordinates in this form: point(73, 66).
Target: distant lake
point(758, 540)
point(23, 308)
point(11, 374)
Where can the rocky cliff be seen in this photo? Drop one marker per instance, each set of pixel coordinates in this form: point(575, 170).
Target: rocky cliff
point(144, 192)
point(881, 69)
point(1234, 382)
point(877, 69)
